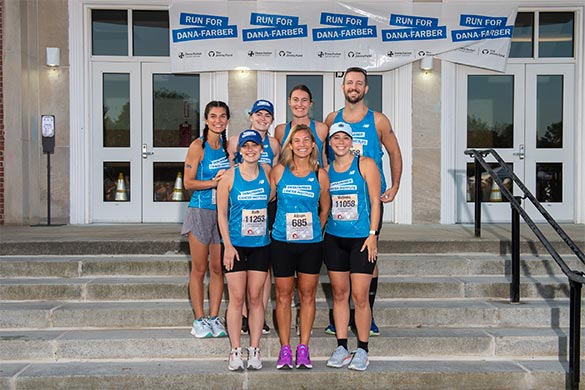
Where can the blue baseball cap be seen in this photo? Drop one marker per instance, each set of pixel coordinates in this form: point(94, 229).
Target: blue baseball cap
point(340, 127)
point(249, 135)
point(262, 105)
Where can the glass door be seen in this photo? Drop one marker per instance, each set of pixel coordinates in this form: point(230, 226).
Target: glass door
point(149, 116)
point(116, 182)
point(525, 115)
point(171, 107)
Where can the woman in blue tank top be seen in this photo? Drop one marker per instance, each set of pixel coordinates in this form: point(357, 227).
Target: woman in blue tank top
point(205, 164)
point(301, 212)
point(242, 204)
point(350, 239)
point(261, 118)
point(300, 101)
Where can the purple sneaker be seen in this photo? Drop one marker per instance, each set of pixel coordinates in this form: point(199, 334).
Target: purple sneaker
point(303, 358)
point(284, 358)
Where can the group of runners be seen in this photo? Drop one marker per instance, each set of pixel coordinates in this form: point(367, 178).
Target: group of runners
point(313, 193)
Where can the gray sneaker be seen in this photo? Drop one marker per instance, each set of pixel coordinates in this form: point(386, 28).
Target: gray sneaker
point(254, 362)
point(217, 327)
point(360, 360)
point(235, 362)
point(340, 357)
point(201, 328)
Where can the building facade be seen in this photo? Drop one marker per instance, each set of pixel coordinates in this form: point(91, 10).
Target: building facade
point(123, 120)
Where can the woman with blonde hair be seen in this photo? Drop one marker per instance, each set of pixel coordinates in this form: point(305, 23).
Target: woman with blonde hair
point(303, 203)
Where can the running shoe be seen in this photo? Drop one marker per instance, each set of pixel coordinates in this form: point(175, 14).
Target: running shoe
point(265, 328)
point(360, 360)
point(235, 362)
point(303, 359)
point(201, 328)
point(340, 357)
point(284, 358)
point(217, 327)
point(374, 331)
point(330, 329)
point(245, 327)
point(254, 362)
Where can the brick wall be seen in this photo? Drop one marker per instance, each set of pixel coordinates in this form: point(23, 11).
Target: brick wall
point(1, 126)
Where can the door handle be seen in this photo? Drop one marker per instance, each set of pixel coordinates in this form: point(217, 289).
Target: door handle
point(520, 153)
point(145, 152)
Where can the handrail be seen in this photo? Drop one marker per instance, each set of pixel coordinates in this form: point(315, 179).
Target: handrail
point(576, 278)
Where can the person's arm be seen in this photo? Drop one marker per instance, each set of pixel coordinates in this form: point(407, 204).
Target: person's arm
point(388, 139)
point(232, 147)
point(371, 175)
point(194, 157)
point(330, 118)
point(223, 193)
point(275, 176)
point(324, 197)
point(279, 132)
point(322, 133)
point(275, 146)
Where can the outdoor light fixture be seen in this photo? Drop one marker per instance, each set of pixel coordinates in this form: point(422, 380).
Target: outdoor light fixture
point(53, 54)
point(426, 64)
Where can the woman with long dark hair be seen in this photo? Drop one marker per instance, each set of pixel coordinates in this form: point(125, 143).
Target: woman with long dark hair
point(205, 164)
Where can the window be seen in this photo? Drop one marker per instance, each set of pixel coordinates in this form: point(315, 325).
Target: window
point(149, 34)
point(543, 35)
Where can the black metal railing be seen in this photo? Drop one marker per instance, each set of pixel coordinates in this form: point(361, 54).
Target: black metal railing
point(576, 278)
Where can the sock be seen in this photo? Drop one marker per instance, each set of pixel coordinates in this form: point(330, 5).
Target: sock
point(363, 345)
point(343, 343)
point(373, 290)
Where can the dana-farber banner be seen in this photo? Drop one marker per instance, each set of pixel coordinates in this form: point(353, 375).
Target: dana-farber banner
point(332, 35)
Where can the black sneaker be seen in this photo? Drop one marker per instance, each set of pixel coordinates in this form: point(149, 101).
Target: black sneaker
point(265, 328)
point(245, 327)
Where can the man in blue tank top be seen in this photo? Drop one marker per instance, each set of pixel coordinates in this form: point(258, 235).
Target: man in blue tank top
point(371, 131)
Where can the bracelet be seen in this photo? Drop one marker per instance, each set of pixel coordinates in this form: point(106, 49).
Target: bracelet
point(373, 232)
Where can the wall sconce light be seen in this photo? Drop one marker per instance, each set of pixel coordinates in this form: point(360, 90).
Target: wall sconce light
point(426, 64)
point(53, 57)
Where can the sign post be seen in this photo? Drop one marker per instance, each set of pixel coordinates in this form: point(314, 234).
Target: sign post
point(48, 138)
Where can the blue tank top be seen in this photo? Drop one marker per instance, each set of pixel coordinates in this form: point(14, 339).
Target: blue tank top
point(248, 217)
point(365, 141)
point(350, 203)
point(213, 160)
point(267, 156)
point(318, 141)
point(297, 215)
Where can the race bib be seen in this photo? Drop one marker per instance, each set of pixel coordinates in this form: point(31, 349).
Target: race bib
point(357, 149)
point(254, 222)
point(344, 207)
point(299, 226)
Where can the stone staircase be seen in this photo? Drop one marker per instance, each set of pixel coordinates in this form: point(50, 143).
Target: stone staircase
point(123, 321)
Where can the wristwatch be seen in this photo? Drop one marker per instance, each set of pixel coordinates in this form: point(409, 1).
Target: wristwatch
point(374, 232)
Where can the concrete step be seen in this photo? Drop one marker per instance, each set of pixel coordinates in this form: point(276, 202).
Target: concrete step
point(401, 374)
point(177, 343)
point(179, 265)
point(409, 313)
point(176, 287)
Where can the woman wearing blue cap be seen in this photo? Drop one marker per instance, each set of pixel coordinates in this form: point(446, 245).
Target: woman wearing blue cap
point(350, 243)
point(242, 204)
point(261, 118)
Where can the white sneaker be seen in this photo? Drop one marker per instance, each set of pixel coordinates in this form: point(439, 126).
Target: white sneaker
point(254, 362)
point(235, 361)
point(201, 328)
point(217, 327)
